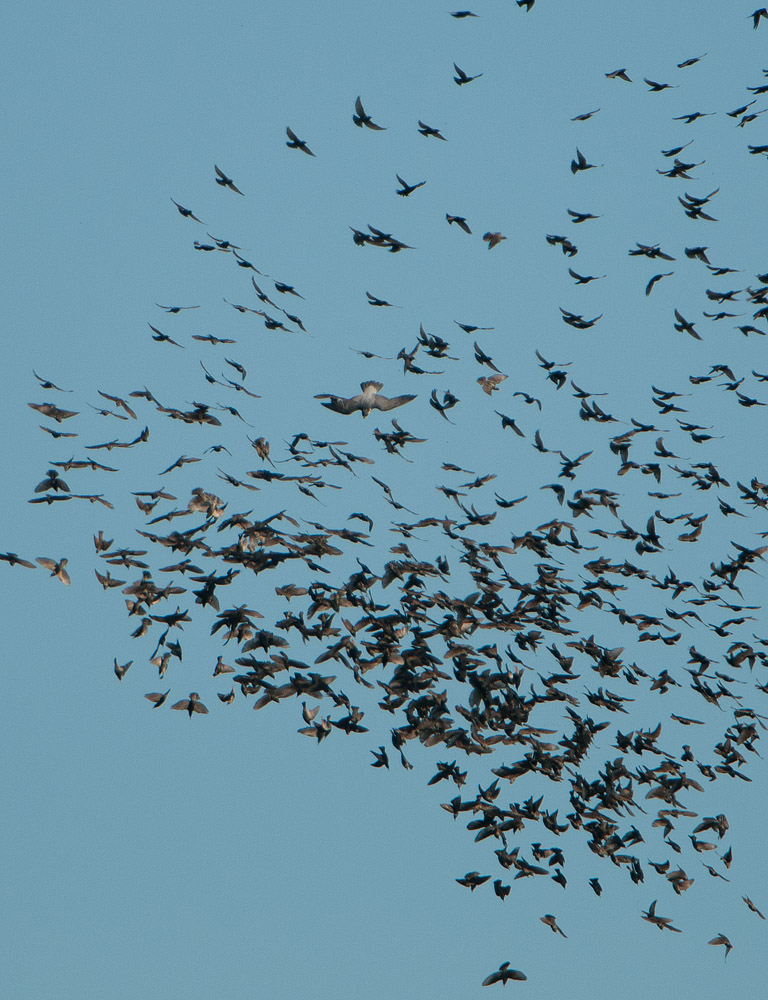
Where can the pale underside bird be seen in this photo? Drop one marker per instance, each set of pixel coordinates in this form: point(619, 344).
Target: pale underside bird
point(367, 400)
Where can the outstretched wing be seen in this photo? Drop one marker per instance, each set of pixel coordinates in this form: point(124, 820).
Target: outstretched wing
point(340, 405)
point(383, 403)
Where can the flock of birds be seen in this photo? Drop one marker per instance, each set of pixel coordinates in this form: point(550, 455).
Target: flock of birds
point(483, 658)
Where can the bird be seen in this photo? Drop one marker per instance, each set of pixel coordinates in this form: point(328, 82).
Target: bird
point(360, 118)
point(580, 162)
point(191, 705)
point(157, 698)
point(53, 412)
point(655, 87)
point(504, 975)
point(428, 130)
point(757, 15)
point(16, 560)
point(223, 181)
point(721, 939)
point(460, 221)
point(654, 279)
point(461, 77)
point(663, 923)
point(368, 400)
point(551, 922)
point(752, 907)
point(405, 188)
point(47, 384)
point(56, 566)
point(294, 142)
point(187, 212)
point(493, 239)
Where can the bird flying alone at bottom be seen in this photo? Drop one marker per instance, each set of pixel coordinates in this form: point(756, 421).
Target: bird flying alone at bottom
point(367, 400)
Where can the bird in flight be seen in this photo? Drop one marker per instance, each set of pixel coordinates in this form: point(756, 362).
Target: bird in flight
point(223, 181)
point(427, 131)
point(294, 142)
point(461, 77)
point(360, 118)
point(187, 212)
point(493, 239)
point(369, 399)
point(407, 188)
point(503, 975)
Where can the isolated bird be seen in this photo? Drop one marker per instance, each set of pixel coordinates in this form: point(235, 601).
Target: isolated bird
point(294, 142)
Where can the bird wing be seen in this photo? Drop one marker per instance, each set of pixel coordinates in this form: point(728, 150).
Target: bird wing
point(340, 405)
point(383, 403)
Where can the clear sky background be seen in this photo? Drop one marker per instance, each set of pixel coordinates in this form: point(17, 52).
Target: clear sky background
point(148, 855)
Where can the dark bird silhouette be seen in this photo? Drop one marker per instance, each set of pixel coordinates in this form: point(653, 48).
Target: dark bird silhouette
point(461, 77)
point(580, 162)
point(191, 705)
point(654, 279)
point(294, 142)
point(460, 221)
point(187, 212)
point(360, 118)
point(427, 131)
point(655, 87)
point(504, 975)
point(223, 181)
point(405, 188)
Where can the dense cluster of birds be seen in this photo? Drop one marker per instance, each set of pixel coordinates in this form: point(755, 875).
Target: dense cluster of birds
point(485, 657)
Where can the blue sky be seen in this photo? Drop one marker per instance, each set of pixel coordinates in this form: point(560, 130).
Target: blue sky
point(146, 854)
